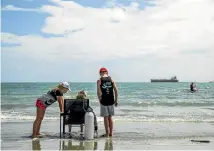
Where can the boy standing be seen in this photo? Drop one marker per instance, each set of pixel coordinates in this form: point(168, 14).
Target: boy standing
point(108, 97)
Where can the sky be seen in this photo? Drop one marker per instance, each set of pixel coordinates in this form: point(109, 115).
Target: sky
point(136, 40)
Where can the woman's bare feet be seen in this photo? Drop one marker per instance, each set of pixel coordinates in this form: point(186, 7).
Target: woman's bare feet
point(40, 134)
point(37, 136)
point(34, 136)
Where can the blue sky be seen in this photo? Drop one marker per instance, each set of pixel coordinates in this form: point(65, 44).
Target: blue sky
point(22, 23)
point(145, 42)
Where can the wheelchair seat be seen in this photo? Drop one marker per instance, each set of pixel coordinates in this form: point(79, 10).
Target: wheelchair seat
point(74, 113)
point(76, 110)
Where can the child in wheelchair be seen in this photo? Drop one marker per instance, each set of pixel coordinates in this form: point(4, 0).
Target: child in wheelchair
point(83, 95)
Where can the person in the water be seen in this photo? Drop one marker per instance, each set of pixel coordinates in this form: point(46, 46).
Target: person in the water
point(45, 101)
point(193, 87)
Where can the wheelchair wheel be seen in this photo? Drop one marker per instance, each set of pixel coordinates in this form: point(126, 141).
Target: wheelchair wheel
point(81, 137)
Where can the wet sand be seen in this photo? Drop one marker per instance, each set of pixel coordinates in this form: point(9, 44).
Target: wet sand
point(127, 136)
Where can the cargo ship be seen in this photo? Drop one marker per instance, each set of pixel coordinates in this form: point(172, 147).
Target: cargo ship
point(173, 79)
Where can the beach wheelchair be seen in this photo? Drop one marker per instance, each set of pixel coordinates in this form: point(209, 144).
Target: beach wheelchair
point(74, 115)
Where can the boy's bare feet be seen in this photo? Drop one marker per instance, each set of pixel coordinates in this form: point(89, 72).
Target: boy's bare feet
point(105, 135)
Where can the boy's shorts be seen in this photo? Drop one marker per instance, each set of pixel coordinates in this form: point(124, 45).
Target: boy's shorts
point(106, 110)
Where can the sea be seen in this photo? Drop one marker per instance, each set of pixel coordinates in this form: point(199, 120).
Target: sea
point(153, 103)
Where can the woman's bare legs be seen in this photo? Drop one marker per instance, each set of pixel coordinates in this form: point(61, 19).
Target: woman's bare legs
point(37, 123)
point(38, 133)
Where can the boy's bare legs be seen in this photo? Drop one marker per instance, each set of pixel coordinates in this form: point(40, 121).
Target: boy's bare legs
point(106, 123)
point(110, 125)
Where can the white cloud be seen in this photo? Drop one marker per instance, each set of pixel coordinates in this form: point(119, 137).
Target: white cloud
point(14, 8)
point(174, 30)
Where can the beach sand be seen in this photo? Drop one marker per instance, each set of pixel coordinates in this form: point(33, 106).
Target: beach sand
point(127, 136)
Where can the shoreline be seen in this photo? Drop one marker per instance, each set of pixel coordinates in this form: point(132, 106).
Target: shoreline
point(108, 144)
point(127, 136)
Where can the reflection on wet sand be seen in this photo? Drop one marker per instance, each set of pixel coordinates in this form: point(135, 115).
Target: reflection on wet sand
point(108, 144)
point(36, 145)
point(77, 145)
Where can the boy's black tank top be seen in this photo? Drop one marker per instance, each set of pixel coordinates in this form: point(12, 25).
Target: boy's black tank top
point(106, 86)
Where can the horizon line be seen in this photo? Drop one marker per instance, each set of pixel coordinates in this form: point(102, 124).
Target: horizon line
point(95, 82)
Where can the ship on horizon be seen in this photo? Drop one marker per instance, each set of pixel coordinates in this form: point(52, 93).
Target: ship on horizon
point(173, 79)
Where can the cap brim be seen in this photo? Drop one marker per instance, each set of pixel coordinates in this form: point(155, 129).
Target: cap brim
point(68, 88)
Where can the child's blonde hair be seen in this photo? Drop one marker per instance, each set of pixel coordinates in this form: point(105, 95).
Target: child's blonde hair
point(81, 95)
